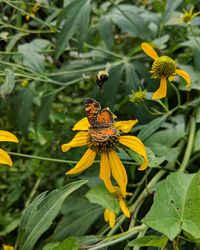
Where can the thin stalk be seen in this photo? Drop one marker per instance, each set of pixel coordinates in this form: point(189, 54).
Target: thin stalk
point(189, 147)
point(177, 94)
point(34, 190)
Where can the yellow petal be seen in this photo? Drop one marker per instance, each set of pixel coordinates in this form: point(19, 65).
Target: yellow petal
point(124, 208)
point(80, 139)
point(83, 124)
point(5, 158)
point(162, 90)
point(184, 75)
point(118, 171)
point(136, 145)
point(109, 216)
point(7, 136)
point(84, 163)
point(105, 172)
point(125, 126)
point(149, 51)
point(8, 247)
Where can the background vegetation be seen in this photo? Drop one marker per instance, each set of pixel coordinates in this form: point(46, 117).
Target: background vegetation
point(50, 54)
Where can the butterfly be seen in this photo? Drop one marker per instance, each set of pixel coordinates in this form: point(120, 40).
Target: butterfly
point(100, 120)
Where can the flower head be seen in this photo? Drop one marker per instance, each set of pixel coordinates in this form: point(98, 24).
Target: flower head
point(109, 215)
point(163, 68)
point(7, 247)
point(188, 16)
point(33, 11)
point(104, 142)
point(4, 156)
point(137, 97)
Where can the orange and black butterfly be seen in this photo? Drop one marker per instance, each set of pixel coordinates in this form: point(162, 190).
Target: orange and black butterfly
point(101, 121)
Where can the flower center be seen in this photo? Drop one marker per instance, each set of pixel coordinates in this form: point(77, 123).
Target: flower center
point(164, 66)
point(103, 146)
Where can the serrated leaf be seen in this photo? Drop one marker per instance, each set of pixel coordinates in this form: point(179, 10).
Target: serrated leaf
point(100, 195)
point(40, 214)
point(150, 241)
point(9, 83)
point(176, 206)
point(71, 15)
point(151, 127)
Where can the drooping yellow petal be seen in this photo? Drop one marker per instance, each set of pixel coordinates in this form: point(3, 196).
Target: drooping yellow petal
point(125, 126)
point(118, 171)
point(5, 158)
point(84, 163)
point(162, 90)
point(83, 124)
point(80, 139)
point(109, 216)
point(149, 51)
point(124, 208)
point(136, 145)
point(105, 172)
point(7, 247)
point(7, 136)
point(184, 75)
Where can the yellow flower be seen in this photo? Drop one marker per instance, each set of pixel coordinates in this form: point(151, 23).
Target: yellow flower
point(34, 9)
point(110, 162)
point(7, 247)
point(110, 216)
point(138, 97)
point(163, 68)
point(4, 156)
point(188, 15)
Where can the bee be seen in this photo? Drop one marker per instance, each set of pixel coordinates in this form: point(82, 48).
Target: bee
point(101, 78)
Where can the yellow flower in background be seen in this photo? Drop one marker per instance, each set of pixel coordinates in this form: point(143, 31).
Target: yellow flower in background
point(8, 247)
point(4, 156)
point(138, 97)
point(110, 216)
point(163, 68)
point(188, 16)
point(34, 9)
point(110, 162)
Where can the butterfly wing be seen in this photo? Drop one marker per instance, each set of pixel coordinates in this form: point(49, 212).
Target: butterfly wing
point(104, 119)
point(92, 109)
point(102, 134)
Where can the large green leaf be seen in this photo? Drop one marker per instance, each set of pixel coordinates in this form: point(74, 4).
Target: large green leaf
point(40, 214)
point(176, 206)
point(154, 241)
point(106, 30)
point(72, 15)
point(78, 216)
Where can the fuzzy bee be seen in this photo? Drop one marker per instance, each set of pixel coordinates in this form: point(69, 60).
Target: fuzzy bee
point(101, 78)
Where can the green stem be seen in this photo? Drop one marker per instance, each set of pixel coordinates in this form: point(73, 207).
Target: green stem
point(189, 147)
point(41, 158)
point(34, 190)
point(177, 93)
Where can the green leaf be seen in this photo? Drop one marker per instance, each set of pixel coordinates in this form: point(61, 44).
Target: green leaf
point(24, 107)
point(9, 83)
point(101, 196)
point(68, 244)
point(170, 7)
point(196, 141)
point(32, 58)
point(106, 30)
point(76, 221)
point(72, 15)
point(176, 206)
point(153, 160)
point(151, 241)
point(132, 79)
point(151, 127)
point(44, 109)
point(40, 214)
point(128, 19)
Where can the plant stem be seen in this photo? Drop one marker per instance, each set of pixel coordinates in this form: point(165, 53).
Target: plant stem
point(177, 93)
point(189, 147)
